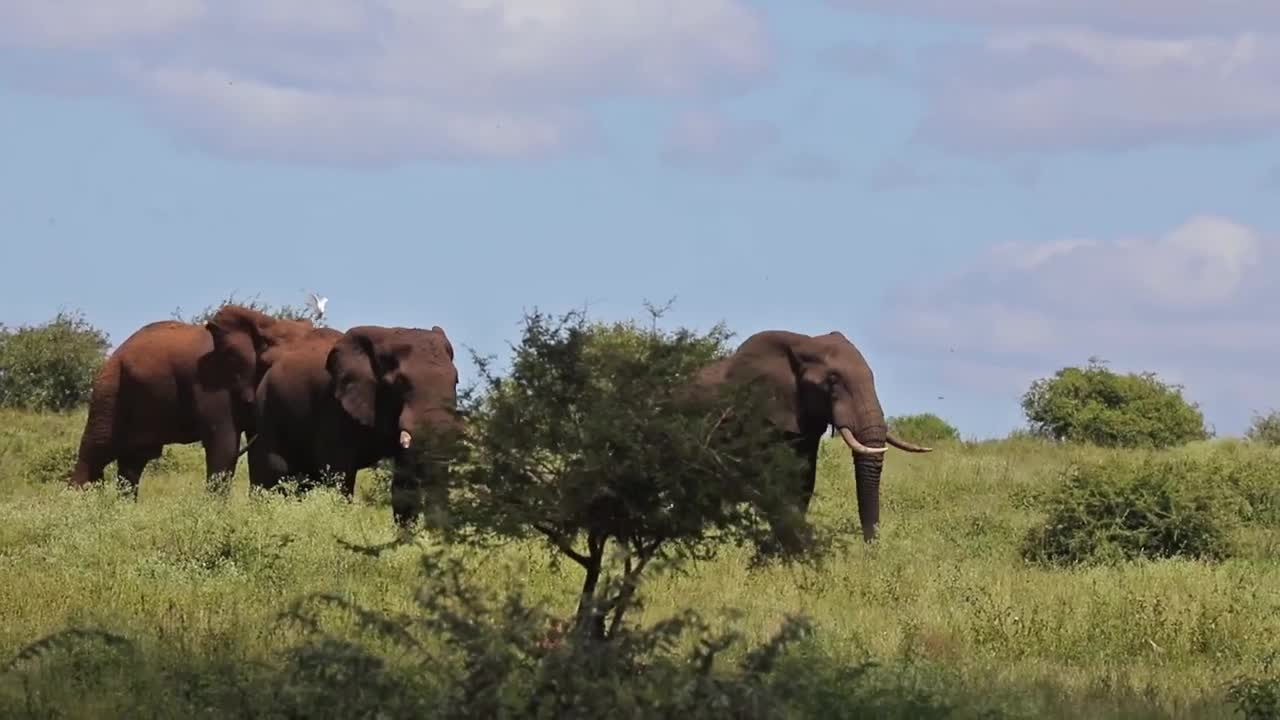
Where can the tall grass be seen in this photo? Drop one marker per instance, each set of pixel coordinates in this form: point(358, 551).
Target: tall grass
point(944, 602)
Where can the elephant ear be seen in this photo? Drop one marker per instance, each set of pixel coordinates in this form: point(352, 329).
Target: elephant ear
point(777, 360)
point(235, 347)
point(448, 346)
point(355, 383)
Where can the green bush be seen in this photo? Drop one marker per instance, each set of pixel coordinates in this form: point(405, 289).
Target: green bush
point(923, 428)
point(50, 366)
point(1126, 508)
point(1265, 429)
point(1256, 696)
point(1096, 405)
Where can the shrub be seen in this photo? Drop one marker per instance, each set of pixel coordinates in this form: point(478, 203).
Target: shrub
point(1137, 507)
point(1265, 429)
point(50, 366)
point(592, 443)
point(1256, 696)
point(1096, 405)
point(923, 428)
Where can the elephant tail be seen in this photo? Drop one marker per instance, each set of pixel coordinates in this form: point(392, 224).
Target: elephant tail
point(98, 439)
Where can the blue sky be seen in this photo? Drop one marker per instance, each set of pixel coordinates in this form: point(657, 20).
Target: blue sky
point(976, 192)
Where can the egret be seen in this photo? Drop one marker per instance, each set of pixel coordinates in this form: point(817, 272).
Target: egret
point(317, 303)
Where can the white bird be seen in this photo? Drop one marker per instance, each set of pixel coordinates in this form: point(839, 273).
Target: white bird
point(317, 303)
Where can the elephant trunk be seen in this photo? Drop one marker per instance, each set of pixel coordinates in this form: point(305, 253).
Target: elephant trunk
point(419, 485)
point(867, 467)
point(866, 472)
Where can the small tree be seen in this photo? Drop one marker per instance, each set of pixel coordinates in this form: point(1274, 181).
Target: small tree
point(923, 428)
point(1265, 429)
point(1096, 405)
point(50, 366)
point(594, 442)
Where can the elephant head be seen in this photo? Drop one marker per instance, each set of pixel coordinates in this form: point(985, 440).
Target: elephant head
point(396, 382)
point(245, 343)
point(819, 382)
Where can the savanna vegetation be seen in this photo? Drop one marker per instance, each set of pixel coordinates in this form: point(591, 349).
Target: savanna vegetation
point(1114, 561)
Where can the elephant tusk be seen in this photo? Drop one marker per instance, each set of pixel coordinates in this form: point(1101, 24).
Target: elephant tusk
point(857, 447)
point(904, 445)
point(405, 439)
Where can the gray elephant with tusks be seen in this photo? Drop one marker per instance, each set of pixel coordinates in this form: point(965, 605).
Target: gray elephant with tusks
point(817, 382)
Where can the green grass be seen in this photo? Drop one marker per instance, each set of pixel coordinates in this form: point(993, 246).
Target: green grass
point(945, 600)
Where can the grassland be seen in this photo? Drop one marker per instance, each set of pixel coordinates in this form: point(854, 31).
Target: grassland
point(945, 602)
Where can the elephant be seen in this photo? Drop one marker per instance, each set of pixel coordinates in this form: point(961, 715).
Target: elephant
point(816, 382)
point(174, 382)
point(342, 405)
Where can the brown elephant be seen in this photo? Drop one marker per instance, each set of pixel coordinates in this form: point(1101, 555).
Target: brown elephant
point(174, 382)
point(817, 382)
point(342, 405)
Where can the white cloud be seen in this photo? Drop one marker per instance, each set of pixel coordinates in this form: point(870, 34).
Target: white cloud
point(1052, 89)
point(1048, 75)
point(710, 141)
point(89, 23)
point(809, 166)
point(1132, 15)
point(1195, 304)
point(341, 79)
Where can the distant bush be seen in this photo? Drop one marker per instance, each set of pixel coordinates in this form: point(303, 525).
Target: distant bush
point(1127, 508)
point(50, 366)
point(1265, 429)
point(1096, 405)
point(923, 428)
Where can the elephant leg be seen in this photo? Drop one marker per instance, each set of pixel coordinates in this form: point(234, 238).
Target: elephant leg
point(808, 452)
point(786, 519)
point(348, 484)
point(131, 463)
point(266, 466)
point(406, 495)
point(221, 450)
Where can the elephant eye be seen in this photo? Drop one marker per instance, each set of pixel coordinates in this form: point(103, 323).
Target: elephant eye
point(833, 377)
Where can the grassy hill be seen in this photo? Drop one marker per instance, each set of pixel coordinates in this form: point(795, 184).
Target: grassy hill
point(945, 603)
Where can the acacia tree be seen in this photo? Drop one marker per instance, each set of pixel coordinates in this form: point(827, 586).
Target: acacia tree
point(283, 312)
point(594, 442)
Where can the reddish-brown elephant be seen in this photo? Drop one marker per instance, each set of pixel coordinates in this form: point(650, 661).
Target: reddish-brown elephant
point(174, 382)
point(342, 404)
point(816, 382)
